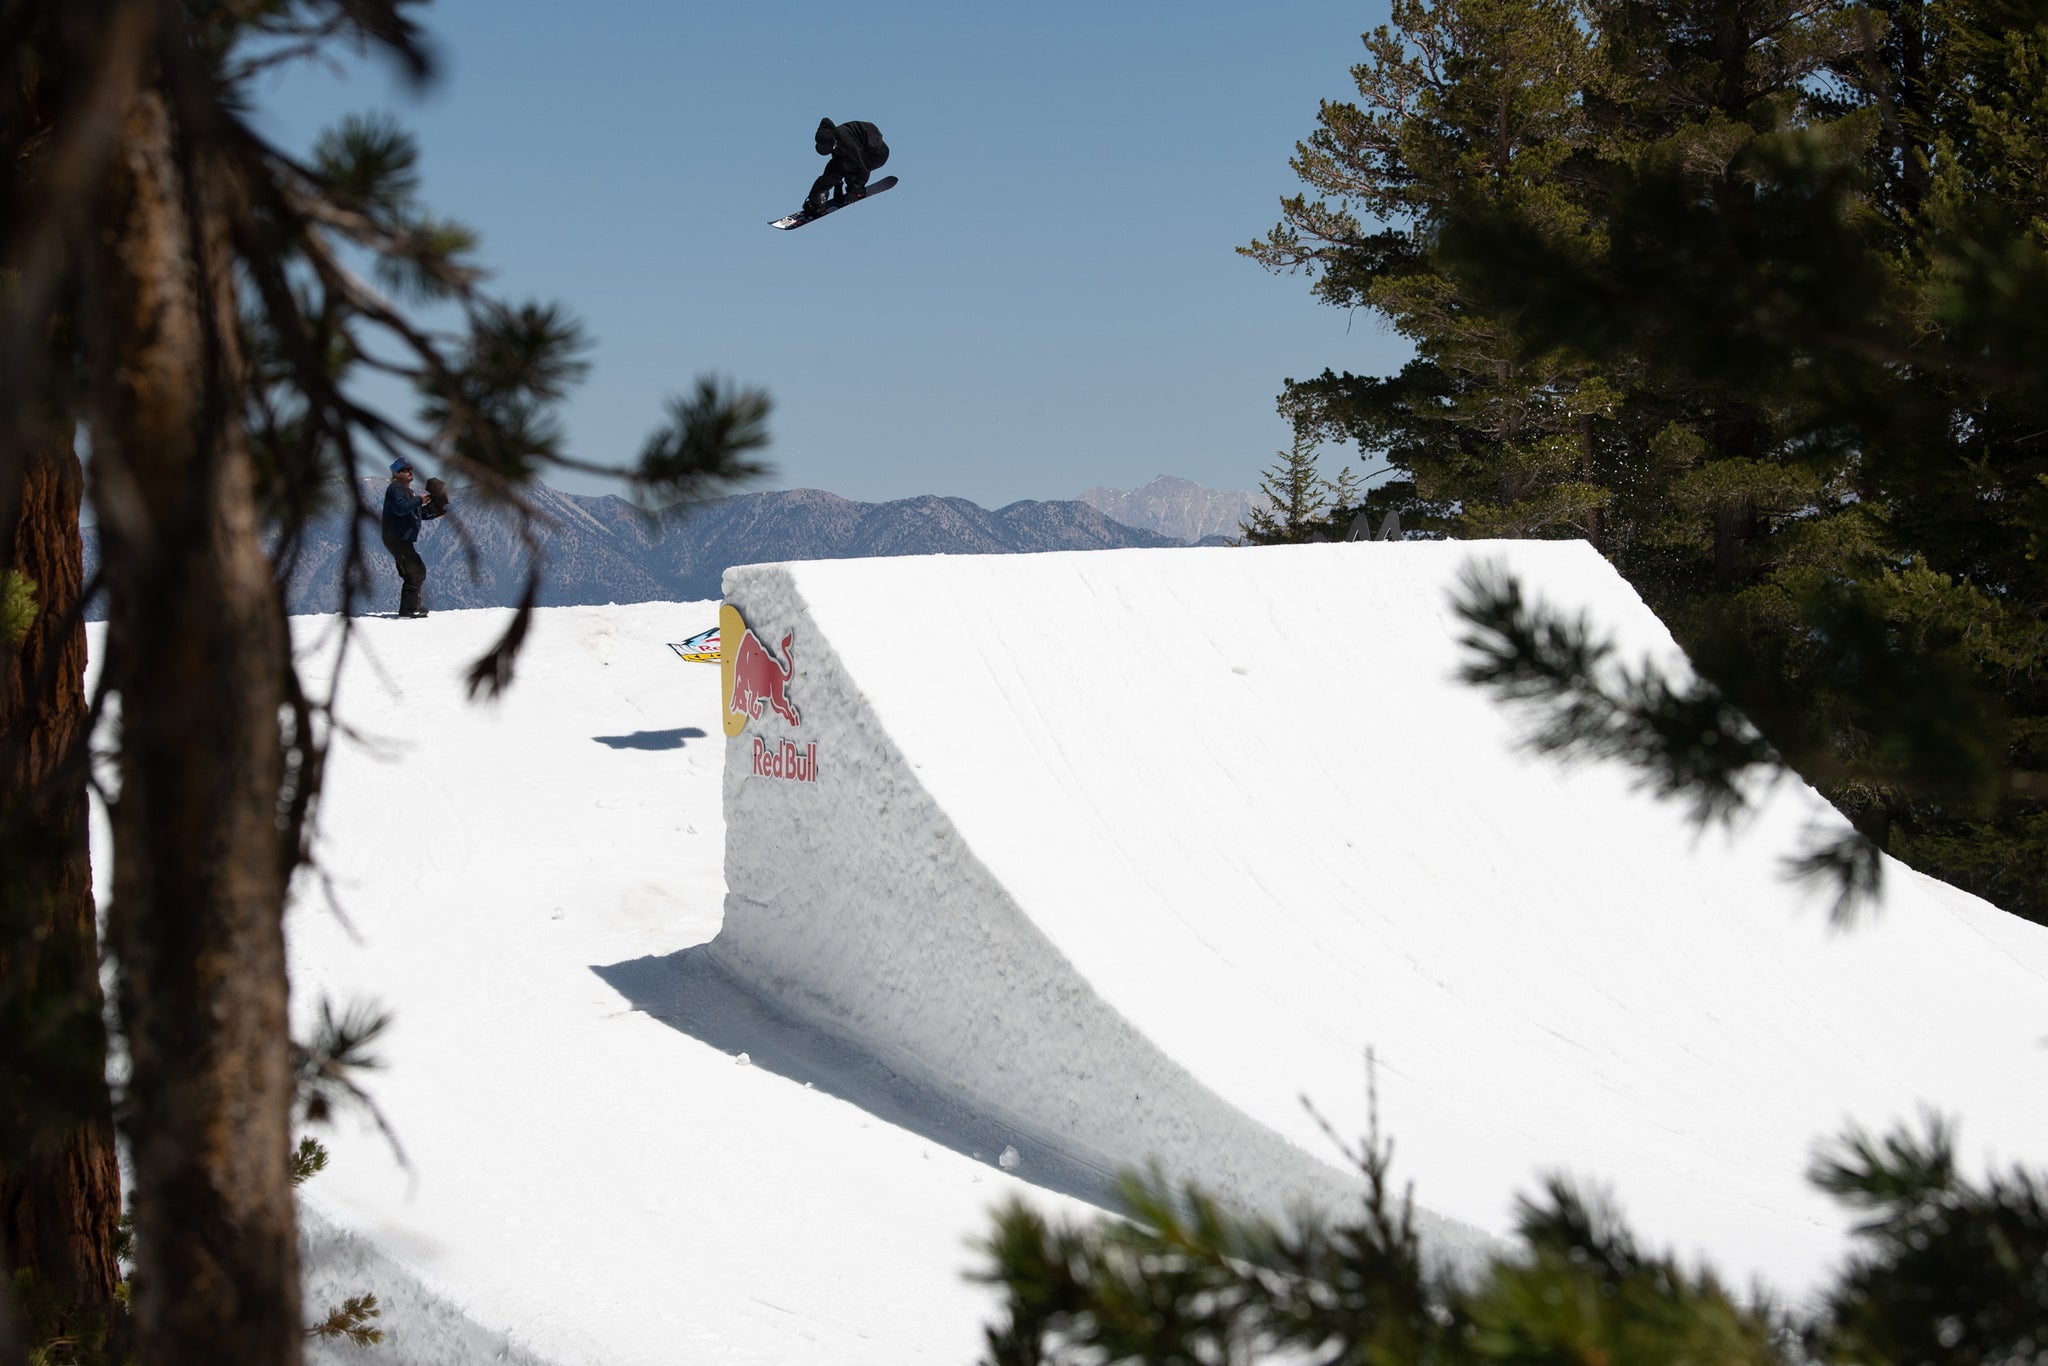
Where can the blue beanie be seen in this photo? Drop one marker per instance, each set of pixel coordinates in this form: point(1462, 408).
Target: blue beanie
point(400, 464)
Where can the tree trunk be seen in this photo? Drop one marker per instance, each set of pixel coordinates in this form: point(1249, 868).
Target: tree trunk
point(1589, 470)
point(1734, 525)
point(60, 1188)
point(1732, 38)
point(1912, 118)
point(196, 647)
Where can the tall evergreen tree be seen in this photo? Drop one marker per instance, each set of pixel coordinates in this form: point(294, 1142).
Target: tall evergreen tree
point(1301, 505)
point(1478, 94)
point(59, 1184)
point(189, 294)
point(1777, 277)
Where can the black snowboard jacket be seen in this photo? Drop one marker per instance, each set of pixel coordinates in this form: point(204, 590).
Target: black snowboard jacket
point(856, 149)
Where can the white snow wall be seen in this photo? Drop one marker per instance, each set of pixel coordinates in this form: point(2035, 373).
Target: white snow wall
point(1133, 849)
point(856, 901)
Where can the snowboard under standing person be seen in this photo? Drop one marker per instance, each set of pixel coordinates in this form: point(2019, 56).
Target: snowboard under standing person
point(856, 149)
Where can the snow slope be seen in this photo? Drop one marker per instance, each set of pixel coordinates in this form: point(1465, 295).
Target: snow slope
point(1110, 855)
point(1134, 849)
point(586, 1181)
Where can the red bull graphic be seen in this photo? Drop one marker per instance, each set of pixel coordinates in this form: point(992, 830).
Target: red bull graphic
point(758, 679)
point(757, 683)
point(786, 761)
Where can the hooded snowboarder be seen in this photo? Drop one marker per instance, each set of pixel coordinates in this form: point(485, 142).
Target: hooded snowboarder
point(856, 149)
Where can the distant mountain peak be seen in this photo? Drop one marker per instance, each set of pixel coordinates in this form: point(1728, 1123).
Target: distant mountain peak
point(1177, 507)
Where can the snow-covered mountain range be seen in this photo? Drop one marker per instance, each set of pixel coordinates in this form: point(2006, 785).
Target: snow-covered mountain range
point(601, 549)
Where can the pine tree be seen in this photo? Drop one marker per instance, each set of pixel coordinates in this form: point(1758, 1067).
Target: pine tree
point(1295, 495)
point(1943, 1270)
point(1865, 591)
point(59, 1186)
point(1478, 96)
point(59, 1183)
point(1301, 505)
point(1757, 331)
point(194, 297)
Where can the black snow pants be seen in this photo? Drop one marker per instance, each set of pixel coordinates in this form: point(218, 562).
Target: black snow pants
point(412, 574)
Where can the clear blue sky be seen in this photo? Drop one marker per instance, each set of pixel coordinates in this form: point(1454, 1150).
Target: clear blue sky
point(1048, 302)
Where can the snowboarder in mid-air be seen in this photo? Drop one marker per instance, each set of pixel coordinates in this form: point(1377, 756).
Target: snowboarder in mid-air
point(857, 150)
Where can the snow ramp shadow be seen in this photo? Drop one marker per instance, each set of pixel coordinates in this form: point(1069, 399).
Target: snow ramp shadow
point(1129, 853)
point(692, 993)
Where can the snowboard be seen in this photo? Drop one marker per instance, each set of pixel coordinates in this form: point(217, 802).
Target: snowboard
point(799, 218)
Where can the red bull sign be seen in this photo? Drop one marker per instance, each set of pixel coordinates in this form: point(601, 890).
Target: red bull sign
point(756, 681)
point(798, 765)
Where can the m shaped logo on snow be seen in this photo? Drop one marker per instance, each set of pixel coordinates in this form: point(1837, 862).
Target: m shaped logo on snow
point(757, 683)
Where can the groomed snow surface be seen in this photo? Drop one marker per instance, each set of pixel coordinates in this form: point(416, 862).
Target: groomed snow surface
point(1136, 849)
point(1104, 856)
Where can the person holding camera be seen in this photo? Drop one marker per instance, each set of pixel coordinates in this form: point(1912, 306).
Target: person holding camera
point(404, 511)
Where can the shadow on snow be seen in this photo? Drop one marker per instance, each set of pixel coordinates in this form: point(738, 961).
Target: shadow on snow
point(652, 739)
point(692, 992)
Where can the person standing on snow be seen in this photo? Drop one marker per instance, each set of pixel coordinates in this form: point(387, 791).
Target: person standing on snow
point(404, 510)
point(856, 149)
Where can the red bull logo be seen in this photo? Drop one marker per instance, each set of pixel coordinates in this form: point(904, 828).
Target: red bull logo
point(757, 684)
point(758, 680)
point(786, 761)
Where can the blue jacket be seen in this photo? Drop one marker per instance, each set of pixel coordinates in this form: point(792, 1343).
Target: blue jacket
point(401, 513)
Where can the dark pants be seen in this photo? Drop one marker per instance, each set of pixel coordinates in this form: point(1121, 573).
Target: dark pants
point(412, 574)
point(845, 177)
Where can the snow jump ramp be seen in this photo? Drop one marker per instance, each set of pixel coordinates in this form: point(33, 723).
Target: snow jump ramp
point(1132, 851)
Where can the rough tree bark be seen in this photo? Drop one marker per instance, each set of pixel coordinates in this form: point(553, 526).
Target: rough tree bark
point(60, 1190)
point(196, 648)
point(1589, 470)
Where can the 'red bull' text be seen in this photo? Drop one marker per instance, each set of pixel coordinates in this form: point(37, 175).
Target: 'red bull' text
point(787, 761)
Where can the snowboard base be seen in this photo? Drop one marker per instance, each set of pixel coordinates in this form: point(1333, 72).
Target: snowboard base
point(799, 218)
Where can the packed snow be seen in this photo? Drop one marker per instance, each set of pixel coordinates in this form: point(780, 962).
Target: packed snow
point(581, 1177)
point(1138, 849)
point(1098, 857)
